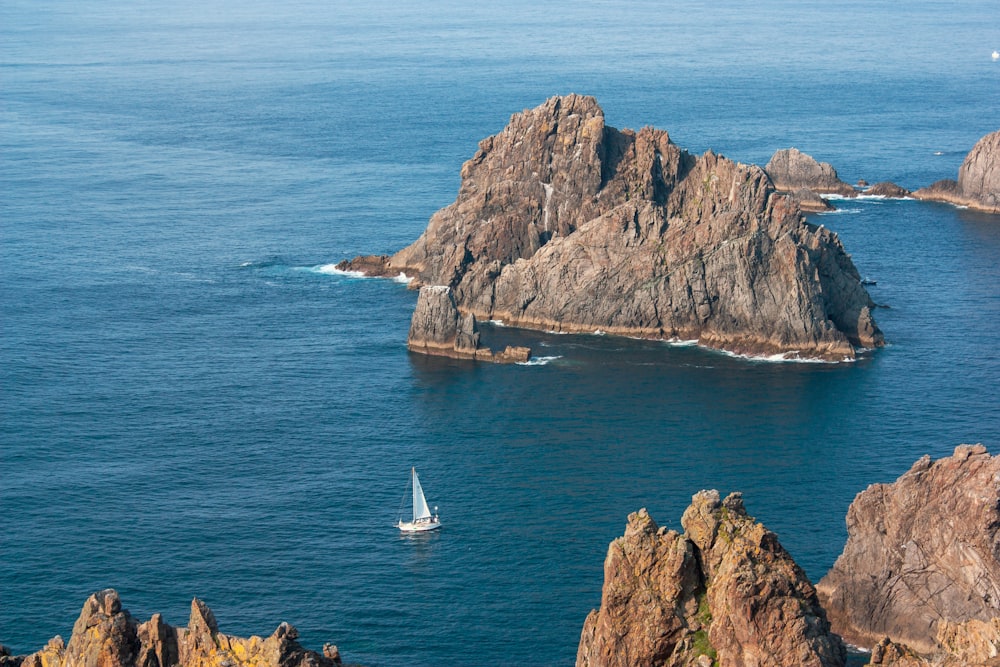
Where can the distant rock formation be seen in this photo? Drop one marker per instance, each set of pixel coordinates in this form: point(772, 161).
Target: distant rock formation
point(564, 223)
point(978, 185)
point(105, 635)
point(437, 328)
point(724, 593)
point(887, 189)
point(922, 560)
point(791, 170)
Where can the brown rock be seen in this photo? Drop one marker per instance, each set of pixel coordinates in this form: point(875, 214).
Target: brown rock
point(810, 201)
point(887, 189)
point(53, 655)
point(791, 170)
point(921, 552)
point(564, 223)
point(973, 642)
point(725, 592)
point(376, 266)
point(437, 328)
point(890, 654)
point(105, 635)
point(978, 185)
point(158, 643)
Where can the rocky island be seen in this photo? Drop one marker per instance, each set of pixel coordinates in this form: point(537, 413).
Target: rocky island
point(106, 635)
point(978, 184)
point(564, 223)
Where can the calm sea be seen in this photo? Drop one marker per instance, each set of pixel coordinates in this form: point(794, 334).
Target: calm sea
point(194, 405)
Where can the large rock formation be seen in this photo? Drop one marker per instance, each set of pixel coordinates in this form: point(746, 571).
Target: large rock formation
point(922, 557)
point(723, 593)
point(792, 170)
point(437, 328)
point(564, 223)
point(978, 185)
point(105, 635)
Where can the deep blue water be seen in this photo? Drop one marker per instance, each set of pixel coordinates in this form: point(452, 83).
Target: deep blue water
point(192, 405)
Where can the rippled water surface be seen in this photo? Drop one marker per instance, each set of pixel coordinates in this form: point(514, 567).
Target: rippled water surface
point(192, 404)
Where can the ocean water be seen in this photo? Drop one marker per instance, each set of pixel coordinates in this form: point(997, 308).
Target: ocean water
point(193, 404)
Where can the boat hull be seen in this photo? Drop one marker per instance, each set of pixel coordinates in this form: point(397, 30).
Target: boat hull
point(418, 526)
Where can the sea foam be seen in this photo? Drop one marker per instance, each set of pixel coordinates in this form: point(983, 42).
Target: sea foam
point(538, 361)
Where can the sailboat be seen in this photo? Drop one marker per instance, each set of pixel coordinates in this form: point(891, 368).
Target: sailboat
point(422, 517)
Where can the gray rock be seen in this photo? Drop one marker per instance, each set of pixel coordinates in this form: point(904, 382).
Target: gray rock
point(791, 170)
point(437, 328)
point(564, 223)
point(978, 185)
point(887, 189)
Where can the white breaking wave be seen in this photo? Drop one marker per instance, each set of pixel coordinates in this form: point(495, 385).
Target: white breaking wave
point(402, 279)
point(679, 342)
point(538, 361)
point(332, 270)
point(781, 358)
point(866, 197)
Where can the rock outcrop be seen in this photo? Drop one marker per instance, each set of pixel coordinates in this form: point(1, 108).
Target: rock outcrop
point(105, 635)
point(437, 328)
point(922, 557)
point(724, 593)
point(970, 644)
point(791, 170)
point(887, 189)
point(978, 185)
point(564, 223)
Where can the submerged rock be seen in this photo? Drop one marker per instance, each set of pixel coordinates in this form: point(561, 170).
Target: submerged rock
point(724, 593)
point(922, 560)
point(564, 223)
point(105, 635)
point(978, 184)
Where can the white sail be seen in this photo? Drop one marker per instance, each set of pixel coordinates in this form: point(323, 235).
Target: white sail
point(420, 509)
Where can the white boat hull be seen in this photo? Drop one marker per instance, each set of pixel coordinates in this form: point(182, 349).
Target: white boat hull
point(419, 526)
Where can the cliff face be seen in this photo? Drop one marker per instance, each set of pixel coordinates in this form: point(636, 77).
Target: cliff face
point(437, 328)
point(922, 557)
point(564, 223)
point(725, 592)
point(105, 635)
point(978, 185)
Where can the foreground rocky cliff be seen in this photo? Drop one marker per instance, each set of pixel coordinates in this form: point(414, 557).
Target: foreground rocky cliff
point(105, 635)
point(724, 593)
point(922, 564)
point(564, 223)
point(978, 184)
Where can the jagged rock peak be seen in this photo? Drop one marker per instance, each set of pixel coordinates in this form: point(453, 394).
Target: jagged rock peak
point(105, 635)
point(565, 223)
point(922, 555)
point(723, 593)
